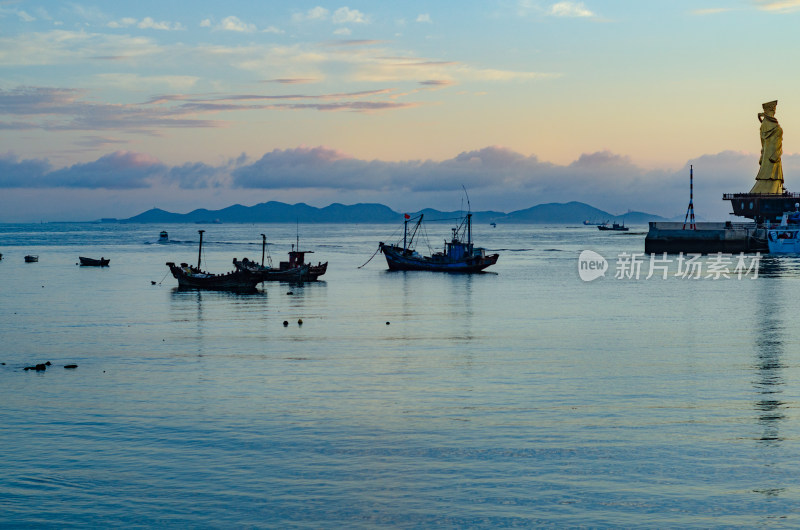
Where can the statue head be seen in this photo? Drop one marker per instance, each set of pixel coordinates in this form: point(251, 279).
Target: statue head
point(770, 106)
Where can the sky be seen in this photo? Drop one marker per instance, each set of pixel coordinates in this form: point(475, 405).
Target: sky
point(108, 109)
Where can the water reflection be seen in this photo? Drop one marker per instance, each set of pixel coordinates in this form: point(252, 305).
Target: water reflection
point(769, 366)
point(769, 382)
point(772, 266)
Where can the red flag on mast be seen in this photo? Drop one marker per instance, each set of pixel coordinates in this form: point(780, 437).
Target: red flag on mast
point(408, 216)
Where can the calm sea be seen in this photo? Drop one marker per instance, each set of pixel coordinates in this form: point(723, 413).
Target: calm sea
point(520, 397)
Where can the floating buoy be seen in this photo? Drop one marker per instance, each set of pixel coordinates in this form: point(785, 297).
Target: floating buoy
point(387, 323)
point(299, 321)
point(285, 323)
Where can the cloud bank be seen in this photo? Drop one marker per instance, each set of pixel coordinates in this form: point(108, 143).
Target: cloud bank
point(501, 178)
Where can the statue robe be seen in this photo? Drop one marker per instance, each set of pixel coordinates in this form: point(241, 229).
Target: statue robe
point(770, 174)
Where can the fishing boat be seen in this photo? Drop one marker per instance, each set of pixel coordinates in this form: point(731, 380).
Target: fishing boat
point(92, 262)
point(615, 227)
point(163, 237)
point(458, 255)
point(31, 258)
point(297, 259)
point(268, 272)
point(784, 238)
point(195, 278)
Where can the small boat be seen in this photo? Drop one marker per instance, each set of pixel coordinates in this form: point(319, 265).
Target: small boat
point(616, 227)
point(31, 259)
point(458, 255)
point(269, 273)
point(297, 259)
point(194, 278)
point(163, 237)
point(91, 262)
point(785, 237)
point(595, 223)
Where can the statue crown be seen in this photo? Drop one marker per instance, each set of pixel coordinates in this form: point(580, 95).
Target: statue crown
point(770, 105)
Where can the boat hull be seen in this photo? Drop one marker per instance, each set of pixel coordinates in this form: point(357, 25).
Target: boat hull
point(232, 281)
point(398, 261)
point(784, 240)
point(91, 262)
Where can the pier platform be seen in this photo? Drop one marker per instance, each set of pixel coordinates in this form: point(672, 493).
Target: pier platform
point(727, 237)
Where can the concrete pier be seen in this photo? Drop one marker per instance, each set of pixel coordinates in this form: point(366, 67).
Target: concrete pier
point(727, 237)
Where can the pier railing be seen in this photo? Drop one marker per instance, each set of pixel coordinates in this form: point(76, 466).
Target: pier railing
point(785, 194)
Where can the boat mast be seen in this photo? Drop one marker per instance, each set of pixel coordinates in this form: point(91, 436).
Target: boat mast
point(200, 250)
point(469, 216)
point(263, 247)
point(405, 233)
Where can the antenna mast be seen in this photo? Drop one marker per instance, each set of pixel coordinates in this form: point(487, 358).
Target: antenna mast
point(690, 210)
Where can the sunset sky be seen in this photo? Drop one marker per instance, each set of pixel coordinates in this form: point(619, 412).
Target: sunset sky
point(108, 109)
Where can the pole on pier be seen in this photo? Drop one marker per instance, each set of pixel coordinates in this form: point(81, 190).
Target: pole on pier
point(690, 210)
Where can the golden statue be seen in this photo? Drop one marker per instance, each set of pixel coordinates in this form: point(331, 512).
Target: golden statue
point(770, 174)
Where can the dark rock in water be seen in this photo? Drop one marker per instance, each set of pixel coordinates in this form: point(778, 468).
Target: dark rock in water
point(70, 366)
point(290, 292)
point(285, 323)
point(38, 368)
point(48, 363)
point(387, 323)
point(300, 322)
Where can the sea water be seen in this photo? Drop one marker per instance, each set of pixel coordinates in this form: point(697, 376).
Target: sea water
point(523, 396)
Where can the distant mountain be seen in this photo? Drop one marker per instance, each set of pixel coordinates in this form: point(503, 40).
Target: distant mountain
point(278, 212)
point(573, 212)
point(274, 212)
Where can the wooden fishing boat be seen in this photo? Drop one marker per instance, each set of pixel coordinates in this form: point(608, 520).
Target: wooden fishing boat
point(294, 270)
point(271, 274)
point(297, 260)
point(92, 262)
point(195, 278)
point(458, 255)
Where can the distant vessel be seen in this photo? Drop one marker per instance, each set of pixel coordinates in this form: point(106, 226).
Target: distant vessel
point(785, 237)
point(31, 258)
point(163, 237)
point(595, 223)
point(616, 227)
point(194, 278)
point(458, 255)
point(92, 262)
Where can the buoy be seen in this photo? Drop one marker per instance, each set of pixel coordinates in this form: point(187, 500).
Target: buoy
point(285, 323)
point(387, 323)
point(299, 321)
